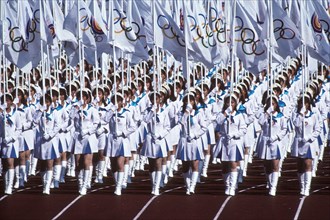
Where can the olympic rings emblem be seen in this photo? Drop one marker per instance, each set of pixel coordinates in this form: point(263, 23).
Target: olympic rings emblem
point(282, 32)
point(168, 31)
point(248, 38)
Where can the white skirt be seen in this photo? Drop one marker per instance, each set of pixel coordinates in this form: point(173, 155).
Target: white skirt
point(271, 151)
point(102, 141)
point(189, 151)
point(46, 150)
point(117, 147)
point(304, 150)
point(173, 136)
point(29, 137)
point(153, 149)
point(10, 150)
point(85, 145)
point(228, 150)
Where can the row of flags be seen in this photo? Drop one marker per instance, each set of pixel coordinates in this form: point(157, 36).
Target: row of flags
point(212, 31)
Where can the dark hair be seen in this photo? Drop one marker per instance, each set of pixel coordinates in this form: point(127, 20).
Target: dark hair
point(268, 104)
point(185, 102)
point(226, 103)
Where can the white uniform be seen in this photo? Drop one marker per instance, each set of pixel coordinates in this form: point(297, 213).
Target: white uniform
point(47, 143)
point(155, 144)
point(271, 147)
point(10, 131)
point(85, 141)
point(64, 133)
point(305, 144)
point(27, 138)
point(102, 131)
point(121, 127)
point(230, 145)
point(191, 150)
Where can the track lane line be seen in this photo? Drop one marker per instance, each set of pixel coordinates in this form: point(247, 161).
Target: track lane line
point(20, 190)
point(301, 203)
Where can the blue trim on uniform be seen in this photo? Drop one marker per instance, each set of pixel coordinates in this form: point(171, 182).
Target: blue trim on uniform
point(309, 154)
point(238, 155)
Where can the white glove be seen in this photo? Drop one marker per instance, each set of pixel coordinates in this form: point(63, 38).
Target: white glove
point(270, 110)
point(84, 133)
point(230, 136)
point(191, 137)
point(273, 139)
point(113, 108)
point(3, 107)
point(154, 108)
point(46, 137)
point(69, 99)
point(29, 99)
point(7, 140)
point(16, 101)
point(229, 110)
point(306, 139)
point(42, 108)
point(303, 110)
point(99, 131)
point(189, 107)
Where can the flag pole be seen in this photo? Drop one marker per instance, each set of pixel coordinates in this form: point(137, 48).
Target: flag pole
point(111, 7)
point(185, 28)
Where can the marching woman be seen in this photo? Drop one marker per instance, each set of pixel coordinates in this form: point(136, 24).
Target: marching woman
point(102, 131)
point(190, 146)
point(270, 147)
point(305, 145)
point(65, 136)
point(47, 144)
point(155, 145)
point(86, 119)
point(10, 130)
point(229, 147)
point(26, 141)
point(121, 126)
point(134, 137)
point(33, 101)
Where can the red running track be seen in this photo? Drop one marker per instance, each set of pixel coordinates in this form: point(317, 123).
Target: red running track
point(209, 202)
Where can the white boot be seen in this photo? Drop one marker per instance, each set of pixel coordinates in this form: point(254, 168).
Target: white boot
point(153, 180)
point(48, 180)
point(57, 175)
point(72, 169)
point(87, 174)
point(119, 183)
point(170, 172)
point(206, 165)
point(232, 182)
point(135, 160)
point(187, 180)
point(99, 172)
point(308, 180)
point(315, 163)
point(240, 170)
point(16, 185)
point(27, 169)
point(22, 175)
point(130, 170)
point(273, 183)
point(246, 161)
point(200, 168)
point(80, 179)
point(194, 177)
point(164, 178)
point(89, 182)
point(105, 168)
point(301, 178)
point(142, 162)
point(226, 180)
point(63, 170)
point(10, 174)
point(126, 170)
point(34, 166)
point(158, 178)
